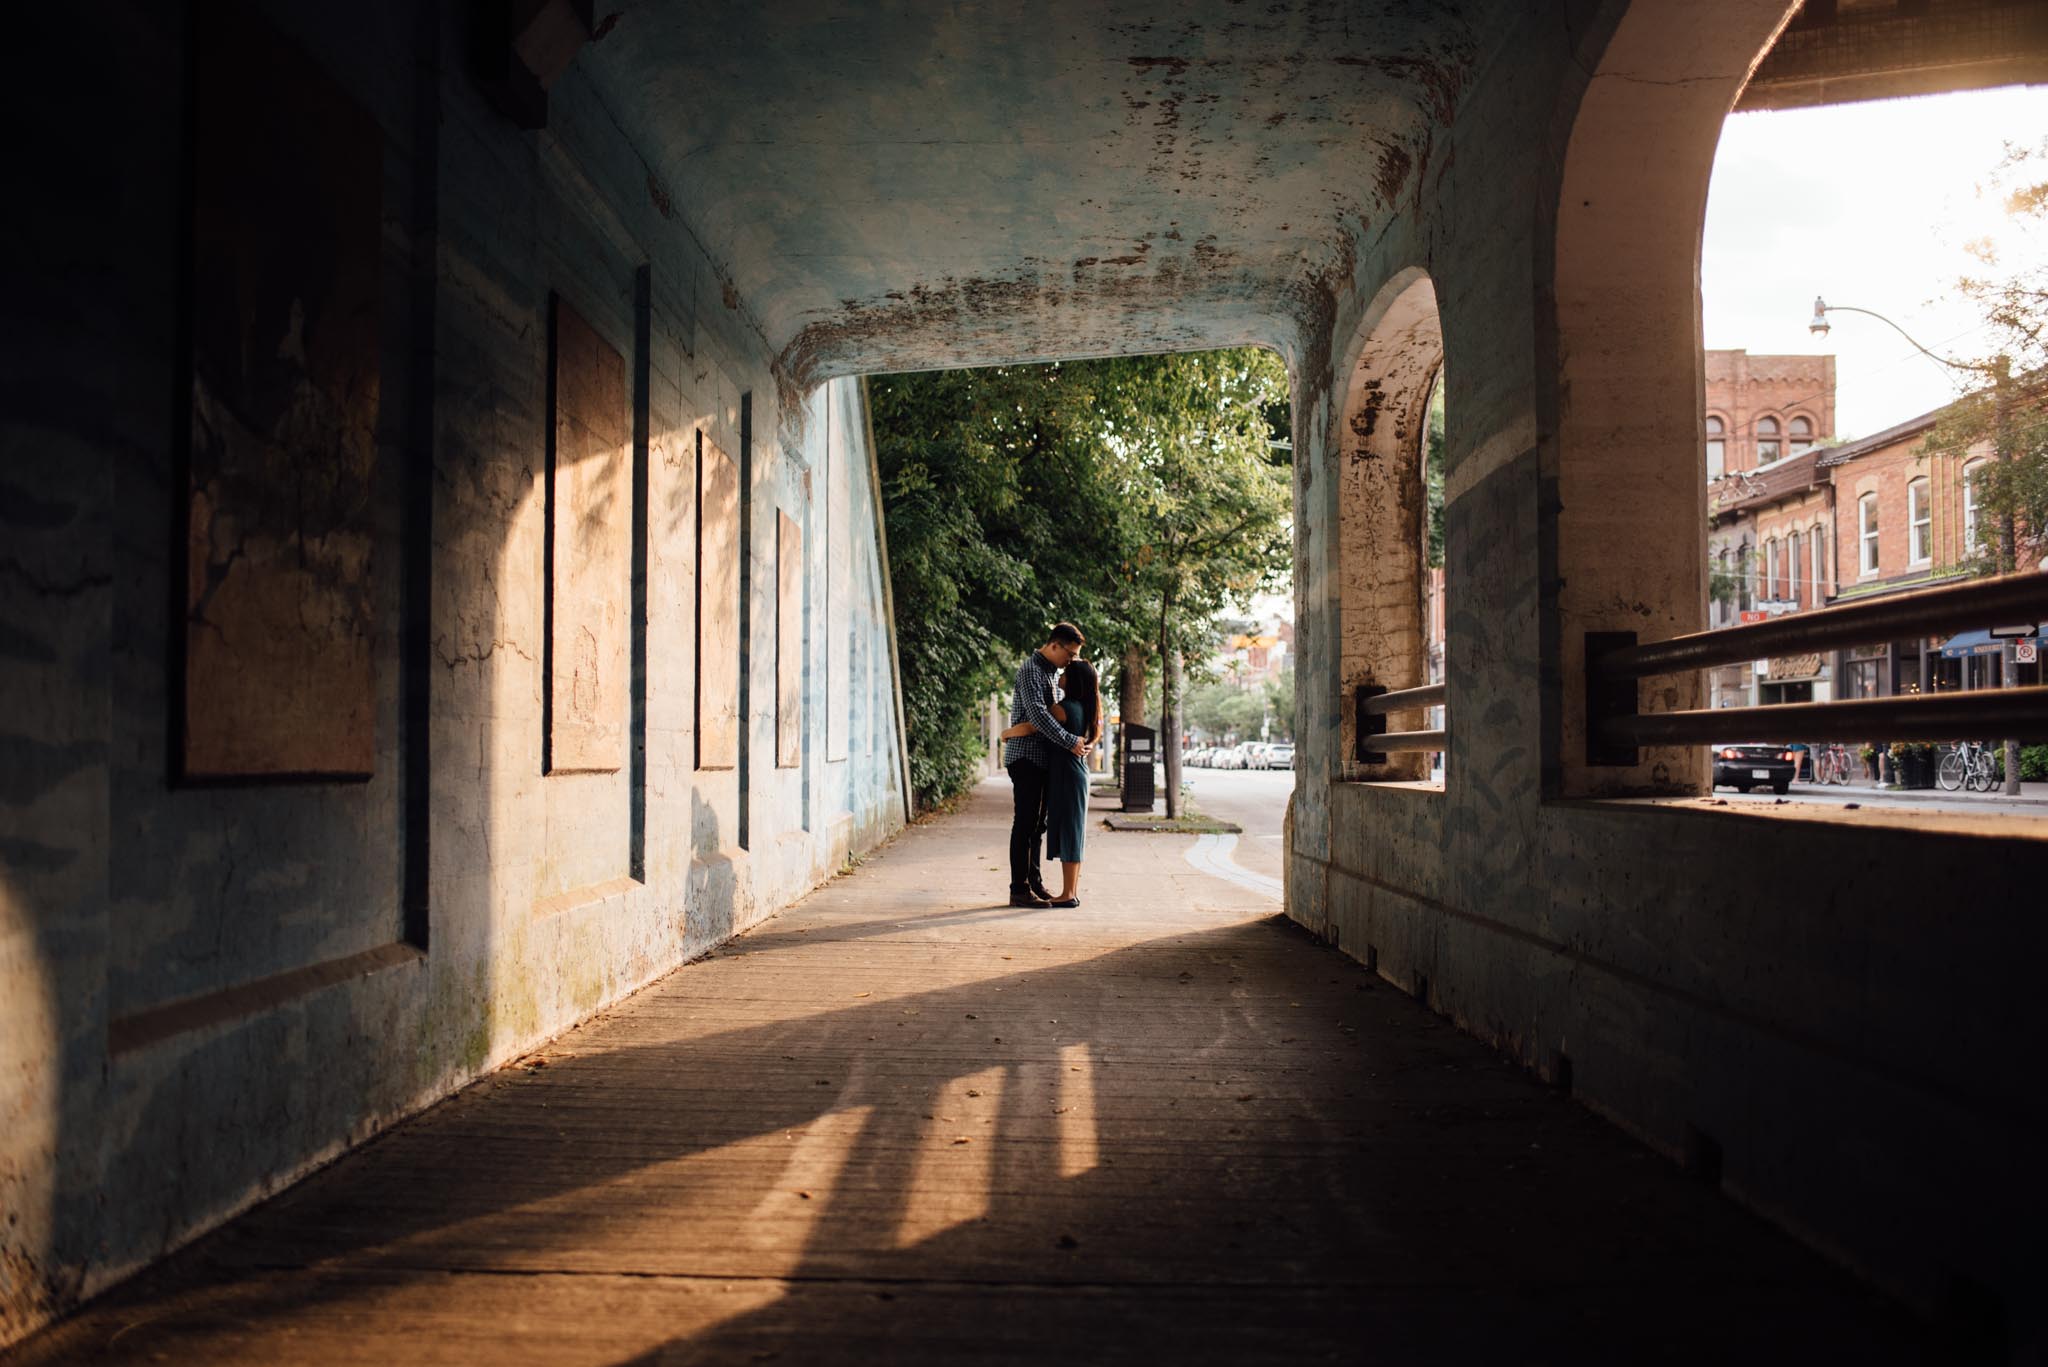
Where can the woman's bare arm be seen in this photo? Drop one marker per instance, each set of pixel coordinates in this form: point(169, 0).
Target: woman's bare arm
point(1025, 728)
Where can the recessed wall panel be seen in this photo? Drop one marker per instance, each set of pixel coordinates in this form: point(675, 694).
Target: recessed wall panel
point(718, 608)
point(275, 678)
point(590, 508)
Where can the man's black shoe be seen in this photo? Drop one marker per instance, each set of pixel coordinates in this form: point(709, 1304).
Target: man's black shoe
point(1038, 891)
point(1026, 899)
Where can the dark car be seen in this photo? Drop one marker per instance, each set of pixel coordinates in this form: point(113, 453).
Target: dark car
point(1743, 767)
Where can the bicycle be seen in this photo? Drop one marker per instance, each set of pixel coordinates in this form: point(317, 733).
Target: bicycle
point(1967, 764)
point(1831, 764)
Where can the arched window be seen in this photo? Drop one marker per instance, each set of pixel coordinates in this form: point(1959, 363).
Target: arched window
point(1971, 473)
point(1866, 532)
point(1795, 569)
point(1801, 432)
point(1767, 448)
point(1821, 577)
point(1717, 447)
point(1920, 523)
point(1771, 569)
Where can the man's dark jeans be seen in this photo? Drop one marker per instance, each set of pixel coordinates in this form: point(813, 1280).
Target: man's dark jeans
point(1027, 824)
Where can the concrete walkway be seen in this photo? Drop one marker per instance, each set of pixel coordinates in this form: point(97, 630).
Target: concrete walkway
point(904, 1123)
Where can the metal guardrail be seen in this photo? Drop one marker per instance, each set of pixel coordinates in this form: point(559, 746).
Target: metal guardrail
point(1373, 741)
point(1402, 700)
point(1389, 741)
point(1615, 729)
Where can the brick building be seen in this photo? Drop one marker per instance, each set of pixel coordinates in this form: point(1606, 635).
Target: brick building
point(1770, 511)
point(1795, 524)
point(1762, 409)
point(1768, 556)
point(1907, 521)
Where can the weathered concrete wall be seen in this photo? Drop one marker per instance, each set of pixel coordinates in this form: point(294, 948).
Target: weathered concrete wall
point(1805, 998)
point(207, 990)
point(1840, 1012)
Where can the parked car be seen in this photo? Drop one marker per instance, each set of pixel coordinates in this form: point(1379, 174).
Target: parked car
point(1280, 756)
point(1231, 758)
point(1752, 765)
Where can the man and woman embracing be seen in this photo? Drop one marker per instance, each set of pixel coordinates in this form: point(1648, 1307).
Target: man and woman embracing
point(1045, 750)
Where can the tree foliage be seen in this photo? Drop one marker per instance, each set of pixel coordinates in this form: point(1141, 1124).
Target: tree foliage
point(1095, 492)
point(2009, 415)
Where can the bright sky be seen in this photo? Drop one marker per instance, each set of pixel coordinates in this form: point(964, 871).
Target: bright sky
point(1866, 204)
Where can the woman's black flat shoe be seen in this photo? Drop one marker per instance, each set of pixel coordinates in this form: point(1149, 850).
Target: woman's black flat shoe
point(1069, 902)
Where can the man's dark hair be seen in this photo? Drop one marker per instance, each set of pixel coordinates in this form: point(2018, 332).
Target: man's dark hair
point(1066, 634)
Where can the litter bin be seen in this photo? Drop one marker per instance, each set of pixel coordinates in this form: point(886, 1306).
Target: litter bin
point(1140, 749)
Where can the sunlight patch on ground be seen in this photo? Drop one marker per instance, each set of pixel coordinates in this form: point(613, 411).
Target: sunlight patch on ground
point(955, 1158)
point(1078, 1152)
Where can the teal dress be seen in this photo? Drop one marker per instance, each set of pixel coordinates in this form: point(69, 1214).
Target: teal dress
point(1066, 791)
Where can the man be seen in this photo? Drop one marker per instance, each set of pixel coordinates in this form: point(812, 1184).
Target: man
point(1026, 758)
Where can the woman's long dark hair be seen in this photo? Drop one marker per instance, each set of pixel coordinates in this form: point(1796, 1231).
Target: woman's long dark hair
point(1082, 682)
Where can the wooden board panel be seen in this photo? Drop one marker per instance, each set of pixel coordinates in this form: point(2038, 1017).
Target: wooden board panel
point(789, 642)
point(276, 678)
point(590, 507)
point(718, 608)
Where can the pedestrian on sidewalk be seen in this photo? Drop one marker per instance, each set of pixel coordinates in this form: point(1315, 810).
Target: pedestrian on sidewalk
point(1030, 755)
point(1066, 783)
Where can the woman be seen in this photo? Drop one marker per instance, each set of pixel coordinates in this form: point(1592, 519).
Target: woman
point(1066, 785)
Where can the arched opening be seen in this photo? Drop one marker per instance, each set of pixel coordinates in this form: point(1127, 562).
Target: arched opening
point(1383, 608)
point(1629, 382)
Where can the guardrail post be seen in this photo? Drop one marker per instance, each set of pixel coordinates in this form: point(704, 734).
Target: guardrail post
point(1607, 699)
point(1369, 724)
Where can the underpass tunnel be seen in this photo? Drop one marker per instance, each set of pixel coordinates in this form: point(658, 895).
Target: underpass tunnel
point(445, 585)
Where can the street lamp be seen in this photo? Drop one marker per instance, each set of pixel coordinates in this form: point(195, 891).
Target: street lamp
point(2000, 371)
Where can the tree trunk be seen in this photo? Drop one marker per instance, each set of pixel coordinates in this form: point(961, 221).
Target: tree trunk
point(1169, 700)
point(1131, 701)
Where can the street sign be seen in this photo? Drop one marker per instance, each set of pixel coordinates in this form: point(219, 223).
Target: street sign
point(1754, 616)
point(2026, 652)
point(2011, 633)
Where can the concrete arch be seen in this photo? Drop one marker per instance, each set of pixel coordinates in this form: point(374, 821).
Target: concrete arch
point(1626, 459)
point(1376, 465)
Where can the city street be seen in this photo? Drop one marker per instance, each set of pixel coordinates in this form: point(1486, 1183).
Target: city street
point(1255, 799)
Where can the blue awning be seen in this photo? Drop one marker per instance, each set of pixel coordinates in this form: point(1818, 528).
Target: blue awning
point(1971, 643)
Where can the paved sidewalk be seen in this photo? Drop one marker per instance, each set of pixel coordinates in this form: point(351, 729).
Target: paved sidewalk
point(904, 1123)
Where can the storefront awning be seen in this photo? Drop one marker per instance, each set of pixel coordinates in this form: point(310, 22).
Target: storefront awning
point(1971, 643)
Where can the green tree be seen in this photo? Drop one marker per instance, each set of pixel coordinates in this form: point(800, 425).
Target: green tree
point(1208, 495)
point(1280, 698)
point(1099, 492)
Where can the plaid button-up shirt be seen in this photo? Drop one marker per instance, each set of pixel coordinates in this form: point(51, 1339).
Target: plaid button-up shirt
point(1031, 700)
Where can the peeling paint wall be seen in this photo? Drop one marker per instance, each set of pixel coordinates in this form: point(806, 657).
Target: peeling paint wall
point(822, 194)
point(209, 990)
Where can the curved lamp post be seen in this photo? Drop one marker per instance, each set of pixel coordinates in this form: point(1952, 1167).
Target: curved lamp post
point(2000, 371)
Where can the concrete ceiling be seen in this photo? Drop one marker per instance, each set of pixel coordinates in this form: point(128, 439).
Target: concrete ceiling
point(895, 186)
